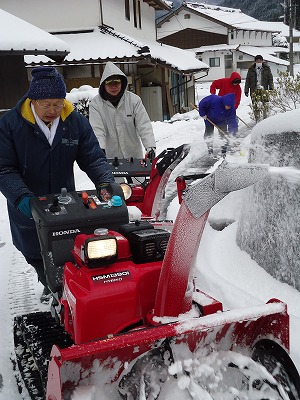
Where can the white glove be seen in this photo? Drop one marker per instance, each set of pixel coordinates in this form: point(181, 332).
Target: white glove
point(204, 117)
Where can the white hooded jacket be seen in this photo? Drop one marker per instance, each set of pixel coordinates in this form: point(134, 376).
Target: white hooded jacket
point(124, 130)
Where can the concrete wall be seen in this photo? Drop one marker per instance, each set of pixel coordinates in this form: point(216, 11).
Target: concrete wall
point(56, 15)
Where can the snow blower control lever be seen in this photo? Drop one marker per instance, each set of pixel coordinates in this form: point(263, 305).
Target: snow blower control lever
point(60, 217)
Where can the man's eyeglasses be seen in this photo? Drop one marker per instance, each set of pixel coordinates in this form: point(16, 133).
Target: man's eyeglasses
point(112, 82)
point(47, 107)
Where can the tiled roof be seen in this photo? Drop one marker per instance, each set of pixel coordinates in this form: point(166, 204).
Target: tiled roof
point(102, 44)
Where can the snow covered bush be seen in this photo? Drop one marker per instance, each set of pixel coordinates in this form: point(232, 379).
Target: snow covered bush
point(82, 106)
point(279, 40)
point(284, 97)
point(286, 94)
point(81, 98)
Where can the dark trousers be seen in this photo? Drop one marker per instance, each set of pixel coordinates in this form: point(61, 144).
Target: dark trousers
point(38, 265)
point(209, 136)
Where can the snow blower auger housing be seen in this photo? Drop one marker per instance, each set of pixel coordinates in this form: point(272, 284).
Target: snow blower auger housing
point(128, 311)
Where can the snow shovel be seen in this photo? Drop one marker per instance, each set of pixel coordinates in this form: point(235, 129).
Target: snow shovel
point(137, 363)
point(248, 126)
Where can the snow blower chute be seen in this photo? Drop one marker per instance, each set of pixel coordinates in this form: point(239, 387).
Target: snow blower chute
point(127, 319)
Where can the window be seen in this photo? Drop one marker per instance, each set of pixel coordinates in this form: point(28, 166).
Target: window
point(228, 61)
point(214, 62)
point(187, 16)
point(127, 10)
point(137, 14)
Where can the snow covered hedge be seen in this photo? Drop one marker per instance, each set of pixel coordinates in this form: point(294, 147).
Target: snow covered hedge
point(80, 98)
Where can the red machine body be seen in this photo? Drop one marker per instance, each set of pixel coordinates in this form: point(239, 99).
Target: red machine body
point(134, 299)
point(105, 301)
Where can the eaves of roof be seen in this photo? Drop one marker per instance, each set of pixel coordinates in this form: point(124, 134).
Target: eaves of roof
point(157, 4)
point(103, 44)
point(56, 56)
point(265, 52)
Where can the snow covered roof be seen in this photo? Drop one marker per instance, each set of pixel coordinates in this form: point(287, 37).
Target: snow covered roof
point(20, 37)
point(101, 44)
point(265, 52)
point(216, 47)
point(282, 28)
point(230, 17)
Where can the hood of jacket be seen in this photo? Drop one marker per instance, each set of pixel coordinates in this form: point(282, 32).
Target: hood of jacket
point(228, 100)
point(234, 75)
point(112, 70)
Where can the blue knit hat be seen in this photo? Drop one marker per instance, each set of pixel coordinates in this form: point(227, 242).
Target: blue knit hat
point(46, 83)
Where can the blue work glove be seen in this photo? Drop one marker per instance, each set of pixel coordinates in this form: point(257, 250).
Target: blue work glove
point(24, 206)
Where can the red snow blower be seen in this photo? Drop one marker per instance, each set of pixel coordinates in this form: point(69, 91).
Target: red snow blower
point(127, 318)
point(145, 181)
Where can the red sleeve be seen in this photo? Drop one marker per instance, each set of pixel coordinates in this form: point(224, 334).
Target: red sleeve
point(215, 85)
point(238, 97)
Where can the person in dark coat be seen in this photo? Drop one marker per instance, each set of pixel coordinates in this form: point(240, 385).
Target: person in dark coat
point(40, 140)
point(259, 80)
point(218, 111)
point(228, 85)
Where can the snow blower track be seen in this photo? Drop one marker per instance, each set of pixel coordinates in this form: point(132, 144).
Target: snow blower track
point(22, 299)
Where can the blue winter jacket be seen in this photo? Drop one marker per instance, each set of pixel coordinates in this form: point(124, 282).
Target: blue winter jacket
point(29, 165)
point(213, 107)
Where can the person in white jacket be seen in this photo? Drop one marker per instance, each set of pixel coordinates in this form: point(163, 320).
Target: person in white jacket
point(119, 118)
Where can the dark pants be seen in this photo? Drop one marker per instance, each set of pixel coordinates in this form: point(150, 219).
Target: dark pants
point(209, 136)
point(38, 265)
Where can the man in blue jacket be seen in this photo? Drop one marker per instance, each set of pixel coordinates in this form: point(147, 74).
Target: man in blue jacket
point(218, 111)
point(40, 140)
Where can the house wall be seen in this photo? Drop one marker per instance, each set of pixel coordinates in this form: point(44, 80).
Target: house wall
point(215, 72)
point(180, 22)
point(114, 16)
point(193, 38)
point(240, 63)
point(251, 38)
point(56, 15)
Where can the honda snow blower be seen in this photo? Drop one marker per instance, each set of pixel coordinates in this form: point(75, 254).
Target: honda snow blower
point(126, 318)
point(146, 181)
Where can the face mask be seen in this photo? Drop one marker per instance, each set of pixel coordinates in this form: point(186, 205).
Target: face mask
point(259, 65)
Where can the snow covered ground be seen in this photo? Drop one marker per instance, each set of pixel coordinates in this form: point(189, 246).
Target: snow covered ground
point(223, 270)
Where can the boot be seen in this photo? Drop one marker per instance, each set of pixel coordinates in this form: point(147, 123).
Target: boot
point(46, 296)
point(223, 151)
point(210, 151)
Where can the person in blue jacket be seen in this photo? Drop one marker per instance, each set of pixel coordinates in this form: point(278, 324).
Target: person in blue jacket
point(218, 111)
point(40, 140)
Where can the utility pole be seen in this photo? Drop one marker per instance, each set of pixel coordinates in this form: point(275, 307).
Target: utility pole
point(291, 52)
